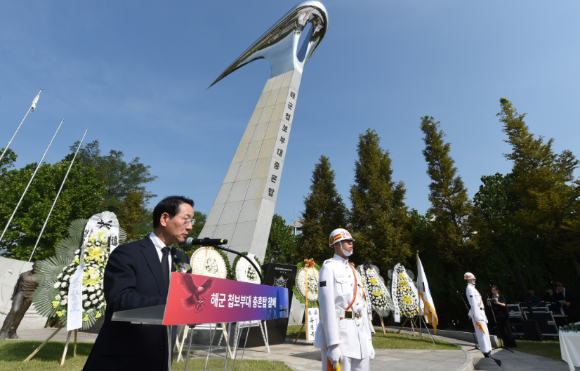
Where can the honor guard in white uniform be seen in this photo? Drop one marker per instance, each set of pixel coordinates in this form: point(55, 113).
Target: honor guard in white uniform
point(344, 332)
point(477, 315)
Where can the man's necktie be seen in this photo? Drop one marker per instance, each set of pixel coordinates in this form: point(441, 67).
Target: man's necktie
point(165, 265)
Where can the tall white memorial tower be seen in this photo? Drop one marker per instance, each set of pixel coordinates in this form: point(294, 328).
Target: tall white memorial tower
point(243, 209)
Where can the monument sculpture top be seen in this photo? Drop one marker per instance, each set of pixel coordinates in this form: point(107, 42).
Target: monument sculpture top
point(242, 211)
point(279, 45)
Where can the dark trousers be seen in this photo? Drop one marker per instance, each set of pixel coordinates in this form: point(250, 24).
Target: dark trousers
point(504, 330)
point(20, 305)
point(572, 313)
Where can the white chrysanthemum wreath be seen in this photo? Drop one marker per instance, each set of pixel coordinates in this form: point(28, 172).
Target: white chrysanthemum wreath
point(244, 271)
point(408, 301)
point(207, 261)
point(376, 290)
point(300, 288)
point(54, 274)
point(95, 258)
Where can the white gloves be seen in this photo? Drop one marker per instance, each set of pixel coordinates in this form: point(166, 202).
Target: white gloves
point(334, 354)
point(371, 349)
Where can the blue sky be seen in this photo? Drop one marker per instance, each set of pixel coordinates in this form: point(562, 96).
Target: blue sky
point(136, 74)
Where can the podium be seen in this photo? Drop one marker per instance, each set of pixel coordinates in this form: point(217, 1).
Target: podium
point(201, 300)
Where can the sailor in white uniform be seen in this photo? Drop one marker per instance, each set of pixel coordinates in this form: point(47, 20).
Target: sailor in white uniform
point(477, 315)
point(344, 332)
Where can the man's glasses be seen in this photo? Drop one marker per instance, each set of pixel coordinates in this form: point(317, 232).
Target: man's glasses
point(187, 222)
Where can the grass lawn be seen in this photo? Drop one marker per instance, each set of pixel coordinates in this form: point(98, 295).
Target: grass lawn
point(392, 340)
point(293, 331)
point(546, 348)
point(13, 352)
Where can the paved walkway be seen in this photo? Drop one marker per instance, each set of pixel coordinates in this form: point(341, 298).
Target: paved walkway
point(520, 361)
point(304, 357)
point(516, 361)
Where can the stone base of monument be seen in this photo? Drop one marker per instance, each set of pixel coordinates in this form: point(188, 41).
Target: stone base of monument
point(297, 310)
point(31, 321)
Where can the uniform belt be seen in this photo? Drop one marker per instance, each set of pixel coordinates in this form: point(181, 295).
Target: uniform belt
point(349, 314)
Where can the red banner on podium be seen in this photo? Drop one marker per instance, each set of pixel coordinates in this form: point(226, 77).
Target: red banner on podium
point(195, 299)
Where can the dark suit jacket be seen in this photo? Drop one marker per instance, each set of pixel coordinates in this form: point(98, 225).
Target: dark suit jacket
point(498, 310)
point(133, 279)
point(573, 311)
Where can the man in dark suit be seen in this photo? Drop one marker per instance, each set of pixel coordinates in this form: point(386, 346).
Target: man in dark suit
point(551, 300)
point(534, 298)
point(501, 314)
point(137, 275)
point(569, 302)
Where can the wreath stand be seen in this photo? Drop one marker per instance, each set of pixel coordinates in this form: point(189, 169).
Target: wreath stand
point(248, 324)
point(65, 345)
point(419, 327)
point(309, 263)
point(382, 323)
point(305, 314)
point(412, 323)
point(179, 344)
point(303, 322)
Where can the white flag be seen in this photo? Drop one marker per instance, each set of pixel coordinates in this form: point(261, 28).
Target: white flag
point(33, 106)
point(425, 296)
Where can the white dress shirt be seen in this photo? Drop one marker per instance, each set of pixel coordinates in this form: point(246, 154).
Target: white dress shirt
point(159, 245)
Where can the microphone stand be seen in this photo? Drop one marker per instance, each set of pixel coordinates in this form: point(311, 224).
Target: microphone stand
point(475, 343)
point(215, 243)
point(243, 256)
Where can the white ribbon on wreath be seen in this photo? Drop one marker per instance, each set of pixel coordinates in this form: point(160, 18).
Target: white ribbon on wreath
point(107, 223)
point(394, 285)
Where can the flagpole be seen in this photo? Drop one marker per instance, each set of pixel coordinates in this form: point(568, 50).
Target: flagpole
point(30, 109)
point(58, 194)
point(29, 182)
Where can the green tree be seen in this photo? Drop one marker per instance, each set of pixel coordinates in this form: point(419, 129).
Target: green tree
point(450, 204)
point(120, 177)
point(7, 161)
point(523, 220)
point(80, 198)
point(131, 214)
point(379, 217)
point(549, 212)
point(280, 242)
point(496, 198)
point(324, 211)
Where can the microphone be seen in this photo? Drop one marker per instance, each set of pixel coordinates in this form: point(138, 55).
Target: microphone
point(205, 241)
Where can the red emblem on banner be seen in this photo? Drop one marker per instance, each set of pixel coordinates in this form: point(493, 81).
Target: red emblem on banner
point(195, 294)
